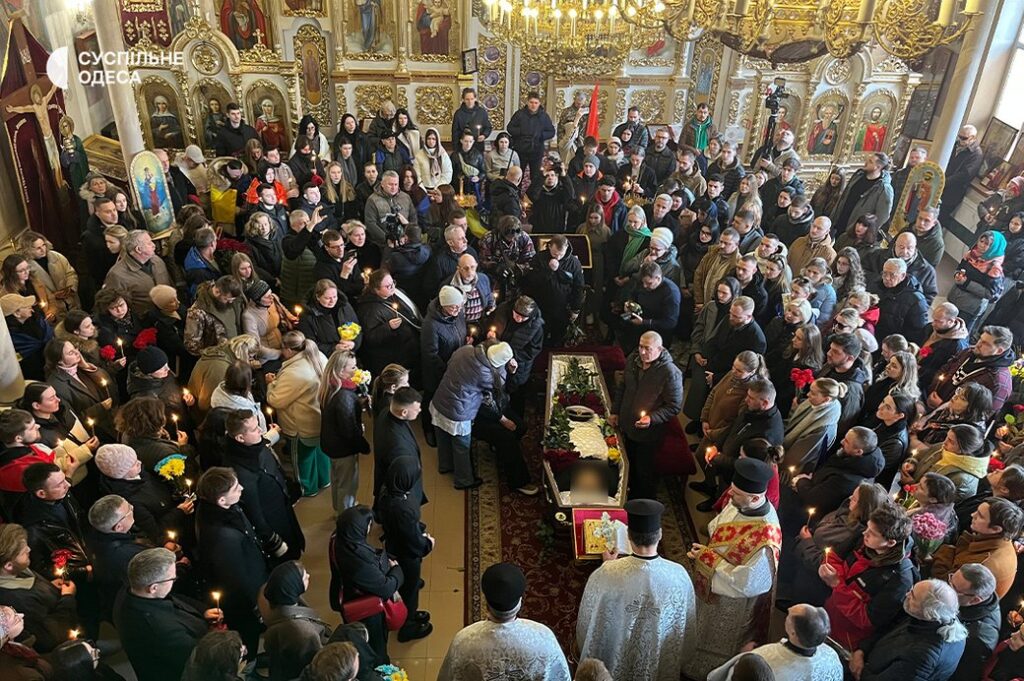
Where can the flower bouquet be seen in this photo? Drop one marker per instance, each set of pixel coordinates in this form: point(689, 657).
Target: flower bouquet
point(349, 331)
point(362, 379)
point(389, 672)
point(1011, 433)
point(108, 353)
point(928, 532)
point(906, 497)
point(559, 450)
point(145, 338)
point(172, 469)
point(801, 378)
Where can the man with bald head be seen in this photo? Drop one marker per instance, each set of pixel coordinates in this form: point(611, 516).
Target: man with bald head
point(963, 167)
point(651, 395)
point(817, 243)
point(476, 289)
point(445, 260)
point(945, 336)
point(904, 248)
point(802, 654)
point(507, 195)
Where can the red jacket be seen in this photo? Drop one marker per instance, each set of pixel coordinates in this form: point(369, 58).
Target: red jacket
point(15, 460)
point(772, 493)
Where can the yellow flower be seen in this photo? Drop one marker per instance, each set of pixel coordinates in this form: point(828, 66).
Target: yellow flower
point(349, 331)
point(174, 468)
point(361, 377)
point(614, 454)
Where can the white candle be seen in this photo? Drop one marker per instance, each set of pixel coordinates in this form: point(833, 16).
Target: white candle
point(945, 17)
point(867, 10)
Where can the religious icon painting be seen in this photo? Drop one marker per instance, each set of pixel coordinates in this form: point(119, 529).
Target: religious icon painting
point(265, 110)
point(311, 52)
point(996, 144)
point(161, 114)
point(304, 8)
point(245, 23)
point(470, 63)
point(491, 77)
point(432, 27)
point(875, 122)
point(149, 185)
point(923, 190)
point(828, 123)
point(209, 99)
point(368, 22)
point(491, 54)
point(490, 102)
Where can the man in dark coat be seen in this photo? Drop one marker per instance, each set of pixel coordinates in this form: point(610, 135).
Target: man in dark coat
point(752, 281)
point(48, 606)
point(651, 395)
point(393, 435)
point(987, 363)
point(758, 417)
point(520, 325)
point(905, 248)
point(407, 260)
point(961, 170)
point(739, 334)
point(944, 337)
point(856, 459)
point(506, 195)
point(843, 363)
point(641, 135)
point(926, 644)
point(551, 200)
point(555, 281)
point(901, 305)
point(159, 631)
point(658, 300)
point(531, 128)
point(443, 264)
point(265, 499)
point(227, 541)
point(729, 167)
point(975, 587)
point(660, 158)
point(771, 189)
point(234, 134)
point(113, 542)
point(332, 264)
point(473, 117)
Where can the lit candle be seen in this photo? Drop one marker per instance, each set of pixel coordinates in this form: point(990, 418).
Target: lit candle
point(270, 416)
point(103, 384)
point(942, 377)
point(172, 535)
point(58, 572)
point(185, 392)
point(188, 485)
point(828, 550)
point(792, 470)
point(120, 345)
point(394, 306)
point(810, 514)
point(174, 424)
point(91, 423)
point(643, 413)
point(298, 310)
point(73, 634)
point(494, 294)
point(216, 599)
point(472, 330)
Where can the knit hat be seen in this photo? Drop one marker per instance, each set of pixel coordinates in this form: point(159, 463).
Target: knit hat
point(525, 305)
point(499, 354)
point(450, 295)
point(663, 235)
point(115, 461)
point(194, 154)
point(503, 585)
point(256, 290)
point(616, 140)
point(151, 359)
point(592, 160)
point(752, 476)
point(12, 302)
point(163, 296)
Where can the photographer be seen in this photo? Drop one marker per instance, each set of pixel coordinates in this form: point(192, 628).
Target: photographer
point(387, 204)
point(337, 265)
point(505, 253)
point(406, 258)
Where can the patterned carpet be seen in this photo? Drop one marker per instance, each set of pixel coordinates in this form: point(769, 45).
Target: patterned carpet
point(505, 526)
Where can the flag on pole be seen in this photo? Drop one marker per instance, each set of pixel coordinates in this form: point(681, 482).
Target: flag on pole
point(592, 123)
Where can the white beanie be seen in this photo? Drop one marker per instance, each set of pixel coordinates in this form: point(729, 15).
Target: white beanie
point(663, 235)
point(450, 295)
point(115, 460)
point(499, 354)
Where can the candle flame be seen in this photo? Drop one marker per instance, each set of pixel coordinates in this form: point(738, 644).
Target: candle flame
point(58, 571)
point(216, 596)
point(103, 382)
point(172, 535)
point(394, 306)
point(73, 634)
point(188, 482)
point(91, 421)
point(298, 309)
point(120, 342)
point(792, 469)
point(810, 512)
point(185, 391)
point(174, 417)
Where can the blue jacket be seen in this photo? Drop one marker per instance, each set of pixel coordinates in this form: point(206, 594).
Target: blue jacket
point(912, 650)
point(469, 375)
point(197, 271)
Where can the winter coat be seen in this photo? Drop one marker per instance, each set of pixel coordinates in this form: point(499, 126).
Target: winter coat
point(158, 634)
point(732, 175)
point(974, 296)
point(982, 621)
point(963, 167)
point(152, 449)
point(1007, 313)
point(756, 291)
point(380, 204)
point(128, 275)
point(903, 309)
point(869, 595)
point(52, 526)
point(384, 345)
point(712, 267)
point(1013, 259)
point(58, 274)
point(392, 438)
point(991, 372)
point(468, 377)
point(877, 200)
point(266, 257)
point(110, 553)
point(722, 405)
point(408, 266)
point(294, 395)
point(838, 477)
point(505, 200)
point(641, 135)
point(86, 395)
point(657, 390)
point(227, 540)
point(994, 552)
point(833, 531)
point(327, 267)
point(321, 325)
point(526, 339)
point(749, 425)
point(941, 351)
point(729, 341)
point(663, 162)
point(265, 497)
point(231, 141)
point(551, 206)
point(660, 312)
point(912, 650)
point(807, 420)
point(668, 263)
point(803, 250)
point(855, 379)
point(440, 337)
point(530, 132)
point(170, 334)
point(557, 292)
point(769, 193)
point(29, 339)
point(156, 509)
point(293, 637)
point(341, 427)
point(645, 177)
point(475, 120)
point(789, 230)
point(894, 442)
point(919, 268)
point(48, 614)
point(442, 267)
point(931, 245)
point(198, 270)
point(204, 323)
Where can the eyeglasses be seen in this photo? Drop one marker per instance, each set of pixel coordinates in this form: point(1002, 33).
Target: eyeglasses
point(131, 509)
point(962, 138)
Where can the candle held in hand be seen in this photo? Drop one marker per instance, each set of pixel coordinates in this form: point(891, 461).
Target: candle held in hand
point(73, 635)
point(172, 535)
point(216, 598)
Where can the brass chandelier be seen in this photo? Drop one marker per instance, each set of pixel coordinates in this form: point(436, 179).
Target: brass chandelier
point(787, 31)
point(571, 37)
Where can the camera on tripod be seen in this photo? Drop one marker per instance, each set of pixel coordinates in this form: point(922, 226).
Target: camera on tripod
point(776, 92)
point(392, 227)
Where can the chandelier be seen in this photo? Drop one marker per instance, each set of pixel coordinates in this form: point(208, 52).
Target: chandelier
point(787, 31)
point(568, 36)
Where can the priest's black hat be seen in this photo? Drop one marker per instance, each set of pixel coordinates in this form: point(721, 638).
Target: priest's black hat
point(752, 476)
point(644, 514)
point(503, 585)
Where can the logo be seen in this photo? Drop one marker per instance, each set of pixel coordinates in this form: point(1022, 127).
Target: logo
point(57, 67)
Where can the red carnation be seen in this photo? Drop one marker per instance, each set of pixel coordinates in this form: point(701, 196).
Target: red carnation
point(801, 378)
point(108, 353)
point(560, 459)
point(925, 351)
point(1018, 409)
point(995, 464)
point(60, 557)
point(145, 338)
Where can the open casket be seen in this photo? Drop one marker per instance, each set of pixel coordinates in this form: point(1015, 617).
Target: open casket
point(581, 448)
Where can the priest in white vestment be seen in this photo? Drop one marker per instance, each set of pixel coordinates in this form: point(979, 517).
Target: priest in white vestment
point(802, 656)
point(735, 572)
point(638, 612)
point(504, 646)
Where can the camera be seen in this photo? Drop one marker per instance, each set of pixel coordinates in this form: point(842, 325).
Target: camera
point(776, 92)
point(393, 229)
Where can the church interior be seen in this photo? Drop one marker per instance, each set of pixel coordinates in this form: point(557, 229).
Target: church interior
point(652, 320)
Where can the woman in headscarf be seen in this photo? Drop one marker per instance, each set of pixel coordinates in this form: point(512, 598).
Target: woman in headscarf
point(408, 135)
point(433, 165)
point(362, 151)
point(295, 631)
point(305, 164)
point(358, 570)
point(408, 542)
point(311, 129)
point(979, 279)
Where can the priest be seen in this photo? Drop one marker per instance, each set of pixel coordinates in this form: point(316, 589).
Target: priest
point(638, 612)
point(503, 646)
point(735, 571)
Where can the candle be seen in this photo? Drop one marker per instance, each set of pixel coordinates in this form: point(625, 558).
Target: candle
point(792, 470)
point(91, 423)
point(942, 377)
point(216, 598)
point(472, 330)
point(188, 485)
point(946, 9)
point(120, 345)
point(58, 572)
point(394, 306)
point(494, 294)
point(810, 514)
point(270, 416)
point(828, 550)
point(103, 384)
point(172, 535)
point(298, 309)
point(174, 424)
point(73, 634)
point(867, 10)
point(972, 6)
point(185, 392)
point(642, 413)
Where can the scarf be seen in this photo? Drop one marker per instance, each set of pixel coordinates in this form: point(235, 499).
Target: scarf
point(958, 331)
point(71, 371)
point(700, 132)
point(891, 556)
point(991, 261)
point(973, 465)
point(467, 169)
point(608, 208)
point(638, 239)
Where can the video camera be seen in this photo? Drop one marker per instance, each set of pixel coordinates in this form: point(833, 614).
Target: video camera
point(775, 92)
point(392, 227)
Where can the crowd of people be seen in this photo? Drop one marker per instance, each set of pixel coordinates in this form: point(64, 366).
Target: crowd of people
point(182, 396)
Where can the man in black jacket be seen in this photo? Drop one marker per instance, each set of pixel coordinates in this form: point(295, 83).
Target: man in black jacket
point(555, 281)
point(975, 587)
point(531, 128)
point(759, 417)
point(332, 264)
point(506, 195)
point(961, 170)
point(265, 499)
point(48, 606)
point(159, 631)
point(752, 281)
point(857, 459)
point(843, 363)
point(551, 200)
point(473, 117)
point(520, 325)
point(739, 334)
point(901, 305)
point(445, 261)
point(112, 544)
point(660, 158)
point(651, 394)
point(393, 436)
point(233, 135)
